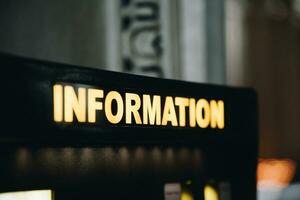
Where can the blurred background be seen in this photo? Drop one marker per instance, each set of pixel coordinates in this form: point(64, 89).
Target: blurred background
point(249, 43)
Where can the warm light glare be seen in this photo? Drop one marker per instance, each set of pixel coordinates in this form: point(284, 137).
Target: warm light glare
point(27, 195)
point(210, 193)
point(186, 196)
point(275, 173)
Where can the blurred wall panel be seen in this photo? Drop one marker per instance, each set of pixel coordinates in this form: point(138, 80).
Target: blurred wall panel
point(263, 52)
point(273, 63)
point(69, 31)
point(180, 39)
point(215, 41)
point(193, 40)
point(235, 42)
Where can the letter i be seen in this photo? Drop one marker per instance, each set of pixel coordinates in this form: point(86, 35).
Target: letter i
point(58, 103)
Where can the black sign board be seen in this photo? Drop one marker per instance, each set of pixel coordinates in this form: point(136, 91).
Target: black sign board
point(50, 105)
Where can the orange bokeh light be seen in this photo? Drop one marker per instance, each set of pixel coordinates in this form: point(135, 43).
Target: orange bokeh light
point(275, 172)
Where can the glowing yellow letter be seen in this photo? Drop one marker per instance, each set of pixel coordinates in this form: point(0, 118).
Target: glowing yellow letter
point(181, 102)
point(133, 108)
point(203, 117)
point(217, 114)
point(169, 113)
point(72, 103)
point(114, 95)
point(93, 105)
point(153, 111)
point(192, 112)
point(58, 103)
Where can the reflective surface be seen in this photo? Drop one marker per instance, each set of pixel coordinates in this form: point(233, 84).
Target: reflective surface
point(112, 172)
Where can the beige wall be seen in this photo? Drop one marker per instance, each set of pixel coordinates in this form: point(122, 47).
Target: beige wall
point(273, 65)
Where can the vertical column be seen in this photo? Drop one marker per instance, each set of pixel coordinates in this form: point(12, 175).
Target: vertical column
point(234, 17)
point(193, 37)
point(113, 35)
point(215, 41)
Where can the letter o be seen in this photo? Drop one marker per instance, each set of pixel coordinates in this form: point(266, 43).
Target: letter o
point(114, 119)
point(203, 121)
